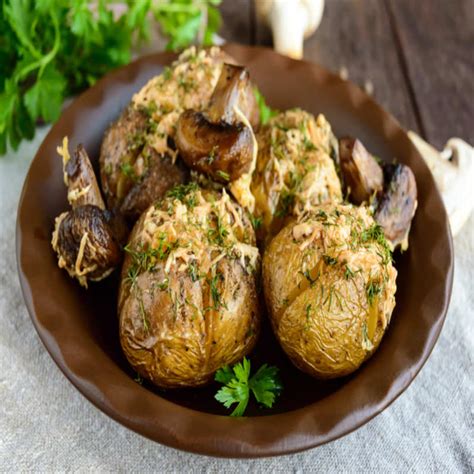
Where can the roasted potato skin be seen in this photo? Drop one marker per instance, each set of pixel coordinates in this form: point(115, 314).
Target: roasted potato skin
point(319, 304)
point(172, 330)
point(118, 147)
point(162, 174)
point(183, 349)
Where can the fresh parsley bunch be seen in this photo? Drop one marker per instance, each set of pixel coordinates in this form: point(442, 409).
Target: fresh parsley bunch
point(51, 49)
point(264, 384)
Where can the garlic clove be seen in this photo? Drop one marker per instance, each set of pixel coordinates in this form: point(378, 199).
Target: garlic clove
point(291, 22)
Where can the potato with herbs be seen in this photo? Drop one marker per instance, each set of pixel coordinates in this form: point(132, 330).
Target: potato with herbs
point(138, 158)
point(294, 169)
point(188, 299)
point(330, 289)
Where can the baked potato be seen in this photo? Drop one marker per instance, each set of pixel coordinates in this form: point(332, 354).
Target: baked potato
point(294, 169)
point(330, 287)
point(143, 136)
point(188, 300)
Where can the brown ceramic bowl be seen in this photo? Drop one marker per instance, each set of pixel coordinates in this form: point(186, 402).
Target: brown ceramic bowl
point(79, 328)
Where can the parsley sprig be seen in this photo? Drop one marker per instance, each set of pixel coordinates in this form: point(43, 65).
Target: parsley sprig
point(238, 385)
point(52, 49)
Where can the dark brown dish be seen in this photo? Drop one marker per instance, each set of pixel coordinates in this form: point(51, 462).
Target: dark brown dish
point(80, 330)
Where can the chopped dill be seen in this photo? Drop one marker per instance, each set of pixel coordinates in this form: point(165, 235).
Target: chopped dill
point(256, 221)
point(128, 170)
point(193, 271)
point(348, 273)
point(186, 193)
point(222, 174)
point(213, 283)
point(216, 235)
point(373, 290)
point(164, 284)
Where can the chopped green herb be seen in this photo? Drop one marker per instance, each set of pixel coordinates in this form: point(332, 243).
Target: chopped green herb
point(193, 271)
point(222, 174)
point(215, 294)
point(164, 284)
point(373, 290)
point(186, 193)
point(128, 170)
point(348, 273)
point(256, 221)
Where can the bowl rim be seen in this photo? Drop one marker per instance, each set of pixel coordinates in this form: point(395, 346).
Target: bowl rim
point(181, 434)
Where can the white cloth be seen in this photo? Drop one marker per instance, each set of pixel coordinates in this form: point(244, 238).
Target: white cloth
point(46, 425)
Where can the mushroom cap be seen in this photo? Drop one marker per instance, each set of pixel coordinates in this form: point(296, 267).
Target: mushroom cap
point(221, 150)
point(361, 173)
point(85, 242)
point(397, 204)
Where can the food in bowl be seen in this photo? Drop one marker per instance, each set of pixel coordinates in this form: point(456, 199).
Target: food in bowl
point(195, 173)
point(188, 301)
point(330, 288)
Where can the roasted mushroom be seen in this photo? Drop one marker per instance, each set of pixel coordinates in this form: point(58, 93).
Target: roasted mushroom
point(219, 141)
point(138, 150)
point(294, 171)
point(87, 239)
point(330, 289)
point(161, 175)
point(188, 299)
point(397, 204)
point(362, 175)
point(85, 243)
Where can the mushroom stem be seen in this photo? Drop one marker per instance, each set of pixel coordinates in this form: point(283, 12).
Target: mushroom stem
point(291, 22)
point(288, 21)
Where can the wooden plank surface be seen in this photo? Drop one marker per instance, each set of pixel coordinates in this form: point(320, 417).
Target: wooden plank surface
point(437, 43)
point(237, 21)
point(356, 35)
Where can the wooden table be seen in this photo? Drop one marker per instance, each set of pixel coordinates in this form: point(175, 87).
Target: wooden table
point(418, 55)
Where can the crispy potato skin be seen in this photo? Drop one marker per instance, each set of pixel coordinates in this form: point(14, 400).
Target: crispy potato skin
point(176, 336)
point(160, 176)
point(320, 311)
point(117, 149)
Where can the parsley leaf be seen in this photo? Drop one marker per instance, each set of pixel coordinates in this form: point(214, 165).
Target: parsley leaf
point(52, 49)
point(264, 384)
point(44, 99)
